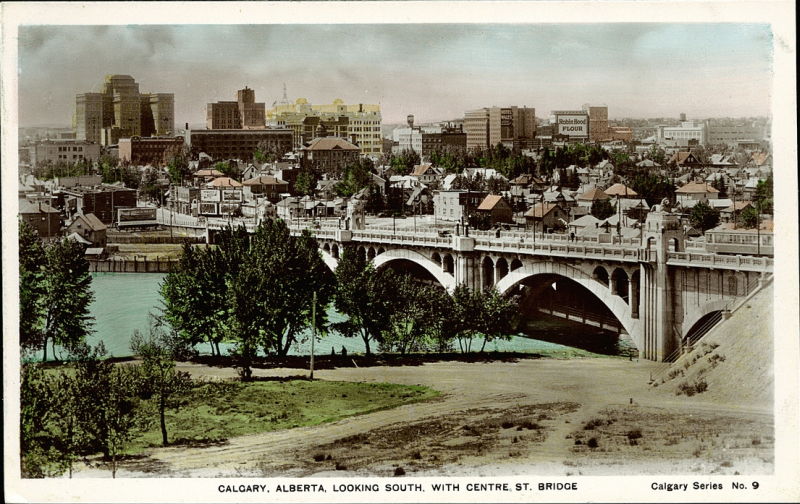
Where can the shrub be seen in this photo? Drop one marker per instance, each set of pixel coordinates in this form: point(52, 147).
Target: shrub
point(507, 424)
point(592, 443)
point(399, 471)
point(319, 457)
point(340, 466)
point(635, 434)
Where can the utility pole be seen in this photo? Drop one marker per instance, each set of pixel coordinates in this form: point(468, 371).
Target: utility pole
point(313, 331)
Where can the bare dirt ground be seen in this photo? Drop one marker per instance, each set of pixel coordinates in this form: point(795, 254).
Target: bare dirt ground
point(532, 416)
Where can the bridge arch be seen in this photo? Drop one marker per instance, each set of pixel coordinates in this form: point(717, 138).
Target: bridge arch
point(487, 270)
point(436, 258)
point(370, 254)
point(448, 264)
point(335, 251)
point(330, 262)
point(501, 267)
point(619, 283)
point(699, 312)
point(601, 275)
point(516, 264)
point(447, 281)
point(362, 252)
point(613, 302)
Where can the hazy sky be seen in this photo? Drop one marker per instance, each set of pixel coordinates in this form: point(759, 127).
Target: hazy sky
point(435, 72)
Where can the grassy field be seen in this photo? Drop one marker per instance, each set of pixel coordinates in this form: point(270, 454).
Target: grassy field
point(216, 411)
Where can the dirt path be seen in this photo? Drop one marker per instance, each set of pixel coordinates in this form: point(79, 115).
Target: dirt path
point(478, 426)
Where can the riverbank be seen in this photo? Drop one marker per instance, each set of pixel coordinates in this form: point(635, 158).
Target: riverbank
point(493, 419)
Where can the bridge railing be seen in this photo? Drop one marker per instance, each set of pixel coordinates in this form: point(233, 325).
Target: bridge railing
point(720, 260)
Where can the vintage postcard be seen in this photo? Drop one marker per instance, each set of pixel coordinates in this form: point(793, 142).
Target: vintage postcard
point(400, 251)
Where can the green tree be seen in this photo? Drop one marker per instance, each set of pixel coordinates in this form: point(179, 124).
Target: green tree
point(109, 408)
point(749, 218)
point(764, 195)
point(64, 295)
point(467, 307)
point(177, 162)
point(653, 188)
point(194, 296)
point(406, 327)
point(495, 316)
point(441, 322)
point(355, 177)
point(404, 163)
point(704, 217)
point(159, 349)
point(602, 209)
point(362, 293)
point(36, 399)
point(719, 184)
point(229, 169)
point(32, 263)
point(306, 183)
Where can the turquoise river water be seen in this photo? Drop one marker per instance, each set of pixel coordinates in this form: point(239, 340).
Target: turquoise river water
point(123, 302)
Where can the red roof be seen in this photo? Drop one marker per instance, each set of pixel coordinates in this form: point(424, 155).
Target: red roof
point(264, 180)
point(620, 190)
point(331, 143)
point(697, 188)
point(490, 202)
point(224, 182)
point(540, 210)
point(593, 195)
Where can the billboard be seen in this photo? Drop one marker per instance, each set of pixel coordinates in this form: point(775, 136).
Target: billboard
point(208, 208)
point(209, 195)
point(229, 195)
point(573, 125)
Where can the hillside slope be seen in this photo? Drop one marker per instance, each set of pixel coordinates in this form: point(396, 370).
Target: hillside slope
point(735, 360)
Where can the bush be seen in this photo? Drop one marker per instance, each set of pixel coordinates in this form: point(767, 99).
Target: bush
point(319, 457)
point(399, 471)
point(635, 434)
point(592, 443)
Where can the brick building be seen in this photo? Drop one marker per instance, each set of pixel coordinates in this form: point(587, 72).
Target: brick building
point(45, 219)
point(148, 150)
point(102, 201)
point(244, 113)
point(239, 144)
point(329, 155)
point(512, 126)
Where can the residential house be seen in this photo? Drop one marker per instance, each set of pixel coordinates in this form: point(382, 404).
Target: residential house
point(588, 198)
point(427, 173)
point(89, 227)
point(497, 208)
point(546, 216)
point(456, 205)
point(265, 186)
point(695, 192)
point(45, 219)
point(734, 211)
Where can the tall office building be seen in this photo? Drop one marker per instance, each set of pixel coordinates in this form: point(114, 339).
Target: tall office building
point(598, 122)
point(244, 113)
point(514, 127)
point(359, 124)
point(121, 111)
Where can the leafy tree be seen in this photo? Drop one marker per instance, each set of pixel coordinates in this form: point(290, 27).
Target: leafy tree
point(441, 322)
point(355, 177)
point(475, 182)
point(451, 158)
point(362, 293)
point(602, 209)
point(194, 296)
point(497, 185)
point(32, 263)
point(405, 330)
point(306, 183)
point(719, 184)
point(704, 217)
point(376, 202)
point(404, 163)
point(158, 377)
point(764, 195)
point(547, 163)
point(228, 169)
point(750, 217)
point(57, 296)
point(150, 186)
point(495, 316)
point(480, 220)
point(109, 408)
point(36, 399)
point(177, 162)
point(467, 310)
point(653, 188)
